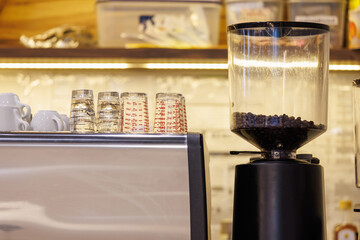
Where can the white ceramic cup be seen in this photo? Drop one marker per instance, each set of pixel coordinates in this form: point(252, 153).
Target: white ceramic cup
point(66, 121)
point(10, 119)
point(12, 100)
point(47, 121)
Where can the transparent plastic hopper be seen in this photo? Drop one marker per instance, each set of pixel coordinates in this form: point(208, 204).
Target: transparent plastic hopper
point(278, 73)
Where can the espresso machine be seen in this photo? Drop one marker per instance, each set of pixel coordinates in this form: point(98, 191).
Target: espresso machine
point(104, 186)
point(278, 73)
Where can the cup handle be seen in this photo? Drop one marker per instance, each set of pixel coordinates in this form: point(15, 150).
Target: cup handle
point(59, 123)
point(22, 125)
point(28, 111)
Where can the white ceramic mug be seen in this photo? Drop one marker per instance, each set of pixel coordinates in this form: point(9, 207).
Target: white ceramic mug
point(47, 121)
point(66, 121)
point(12, 100)
point(10, 119)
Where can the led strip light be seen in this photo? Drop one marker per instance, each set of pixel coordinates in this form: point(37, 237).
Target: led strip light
point(205, 66)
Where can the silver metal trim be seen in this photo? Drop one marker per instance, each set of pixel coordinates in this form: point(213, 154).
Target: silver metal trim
point(93, 138)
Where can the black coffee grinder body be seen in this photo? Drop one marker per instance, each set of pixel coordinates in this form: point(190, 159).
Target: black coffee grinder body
point(279, 200)
point(278, 75)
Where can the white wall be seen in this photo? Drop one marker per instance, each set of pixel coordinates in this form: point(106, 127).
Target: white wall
point(206, 94)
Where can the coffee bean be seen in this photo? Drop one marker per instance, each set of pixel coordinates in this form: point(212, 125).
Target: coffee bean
point(274, 132)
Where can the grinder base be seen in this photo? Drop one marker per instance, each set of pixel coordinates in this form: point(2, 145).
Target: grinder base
point(279, 200)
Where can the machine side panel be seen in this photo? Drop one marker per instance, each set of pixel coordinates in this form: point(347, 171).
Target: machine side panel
point(198, 188)
point(63, 191)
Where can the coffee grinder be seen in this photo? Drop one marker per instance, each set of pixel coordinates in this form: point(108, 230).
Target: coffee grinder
point(278, 73)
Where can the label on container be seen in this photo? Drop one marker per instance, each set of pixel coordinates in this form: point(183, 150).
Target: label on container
point(346, 234)
point(330, 20)
point(251, 12)
point(353, 38)
point(251, 5)
point(354, 4)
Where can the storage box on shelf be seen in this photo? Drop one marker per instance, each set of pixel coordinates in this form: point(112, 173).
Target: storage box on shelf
point(253, 11)
point(165, 23)
point(330, 12)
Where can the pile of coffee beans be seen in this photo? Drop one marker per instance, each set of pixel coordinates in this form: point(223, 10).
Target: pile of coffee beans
point(250, 120)
point(275, 132)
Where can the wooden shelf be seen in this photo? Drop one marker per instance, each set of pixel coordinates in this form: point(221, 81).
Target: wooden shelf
point(139, 53)
point(345, 55)
point(147, 53)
